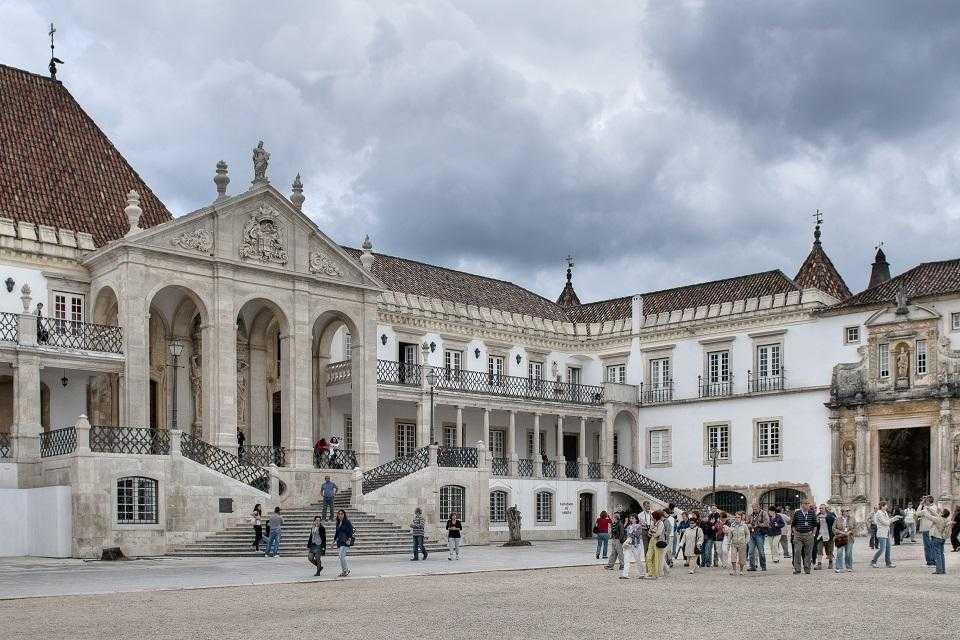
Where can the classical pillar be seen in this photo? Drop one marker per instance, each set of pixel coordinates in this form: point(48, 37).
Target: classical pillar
point(363, 384)
point(637, 440)
point(486, 427)
point(26, 407)
point(259, 407)
point(512, 442)
point(221, 358)
point(582, 446)
point(460, 438)
point(560, 463)
point(607, 442)
point(863, 455)
point(945, 466)
point(298, 379)
point(134, 317)
point(423, 423)
point(835, 458)
point(537, 457)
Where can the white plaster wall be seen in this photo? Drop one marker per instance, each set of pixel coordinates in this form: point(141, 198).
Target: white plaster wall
point(10, 302)
point(522, 492)
point(37, 522)
point(8, 475)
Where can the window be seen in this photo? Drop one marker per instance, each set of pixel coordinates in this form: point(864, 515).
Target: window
point(452, 500)
point(347, 346)
point(955, 321)
point(136, 500)
point(851, 335)
point(498, 506)
point(535, 370)
point(659, 446)
point(883, 360)
point(659, 373)
point(495, 369)
point(718, 366)
point(544, 504)
point(921, 357)
point(616, 448)
point(768, 438)
point(497, 439)
point(718, 437)
point(449, 435)
point(68, 310)
point(406, 439)
point(452, 363)
point(768, 361)
point(543, 443)
point(596, 446)
point(617, 373)
point(348, 431)
point(573, 375)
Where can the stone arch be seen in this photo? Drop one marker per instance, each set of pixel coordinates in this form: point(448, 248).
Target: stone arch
point(106, 306)
point(263, 373)
point(729, 501)
point(587, 512)
point(622, 502)
point(786, 497)
point(627, 431)
point(327, 326)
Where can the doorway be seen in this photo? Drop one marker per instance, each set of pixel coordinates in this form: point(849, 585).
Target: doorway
point(154, 408)
point(571, 446)
point(586, 515)
point(904, 465)
point(277, 433)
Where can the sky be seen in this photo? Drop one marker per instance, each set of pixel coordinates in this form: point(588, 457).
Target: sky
point(659, 143)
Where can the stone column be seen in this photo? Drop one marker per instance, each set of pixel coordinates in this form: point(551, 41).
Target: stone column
point(512, 443)
point(835, 457)
point(299, 381)
point(175, 443)
point(26, 407)
point(134, 317)
point(82, 429)
point(607, 442)
point(423, 423)
point(356, 488)
point(945, 466)
point(363, 384)
point(863, 455)
point(486, 427)
point(537, 457)
point(637, 455)
point(221, 358)
point(582, 445)
point(559, 461)
point(460, 439)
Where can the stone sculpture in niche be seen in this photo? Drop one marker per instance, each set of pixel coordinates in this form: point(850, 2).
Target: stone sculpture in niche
point(262, 239)
point(849, 457)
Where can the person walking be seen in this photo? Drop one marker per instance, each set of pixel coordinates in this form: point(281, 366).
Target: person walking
point(328, 490)
point(910, 521)
point(343, 539)
point(926, 513)
point(454, 538)
point(705, 559)
point(645, 519)
point(721, 546)
point(785, 538)
point(632, 548)
point(601, 529)
point(844, 530)
point(670, 528)
point(938, 534)
point(803, 528)
point(657, 545)
point(317, 544)
point(775, 533)
point(737, 534)
point(257, 519)
point(872, 528)
point(759, 525)
point(417, 530)
point(692, 541)
point(824, 536)
point(955, 529)
point(618, 533)
point(276, 528)
point(883, 520)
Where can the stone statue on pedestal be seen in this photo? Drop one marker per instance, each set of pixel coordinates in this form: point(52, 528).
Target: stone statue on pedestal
point(514, 517)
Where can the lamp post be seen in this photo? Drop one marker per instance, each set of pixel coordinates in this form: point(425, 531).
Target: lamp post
point(432, 382)
point(176, 350)
point(714, 453)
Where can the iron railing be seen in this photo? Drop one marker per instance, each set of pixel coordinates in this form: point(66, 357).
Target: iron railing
point(339, 372)
point(263, 455)
point(335, 459)
point(224, 462)
point(391, 372)
point(525, 468)
point(58, 442)
point(655, 489)
point(573, 469)
point(759, 384)
point(396, 469)
point(133, 440)
point(519, 387)
point(549, 469)
point(654, 394)
point(593, 470)
point(457, 457)
point(716, 389)
point(5, 445)
point(500, 467)
point(79, 335)
point(9, 326)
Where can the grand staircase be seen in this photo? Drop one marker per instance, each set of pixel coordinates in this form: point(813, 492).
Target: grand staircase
point(374, 536)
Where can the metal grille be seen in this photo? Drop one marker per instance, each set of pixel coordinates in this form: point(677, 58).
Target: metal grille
point(264, 455)
point(337, 459)
point(716, 389)
point(518, 387)
point(135, 440)
point(396, 469)
point(338, 372)
point(457, 457)
point(500, 467)
point(391, 372)
point(452, 500)
point(573, 469)
point(525, 468)
point(550, 469)
point(4, 445)
point(79, 335)
point(58, 442)
point(656, 394)
point(593, 470)
point(136, 500)
point(9, 326)
point(653, 488)
point(223, 462)
point(768, 383)
point(498, 506)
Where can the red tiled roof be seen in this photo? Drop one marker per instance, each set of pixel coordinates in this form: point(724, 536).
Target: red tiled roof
point(818, 272)
point(59, 169)
point(924, 280)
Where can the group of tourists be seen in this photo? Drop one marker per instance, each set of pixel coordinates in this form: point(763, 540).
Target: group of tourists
point(654, 540)
point(344, 537)
point(933, 523)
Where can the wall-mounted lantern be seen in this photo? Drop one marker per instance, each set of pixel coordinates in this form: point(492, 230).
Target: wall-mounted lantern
point(383, 339)
point(476, 353)
point(9, 283)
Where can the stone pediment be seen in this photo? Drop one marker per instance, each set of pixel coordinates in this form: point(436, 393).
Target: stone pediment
point(890, 315)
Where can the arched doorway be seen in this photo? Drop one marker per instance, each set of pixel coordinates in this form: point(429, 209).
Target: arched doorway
point(729, 501)
point(784, 497)
point(585, 515)
point(337, 351)
point(625, 440)
point(263, 371)
point(622, 503)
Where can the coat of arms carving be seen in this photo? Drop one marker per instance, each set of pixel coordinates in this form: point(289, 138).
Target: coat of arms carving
point(321, 264)
point(262, 239)
point(198, 239)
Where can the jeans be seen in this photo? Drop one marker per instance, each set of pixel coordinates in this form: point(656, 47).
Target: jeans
point(883, 549)
point(757, 543)
point(327, 504)
point(603, 539)
point(418, 547)
point(912, 532)
point(843, 556)
point(803, 546)
point(774, 542)
point(706, 553)
point(936, 547)
point(344, 564)
point(927, 550)
point(453, 547)
point(738, 556)
point(273, 543)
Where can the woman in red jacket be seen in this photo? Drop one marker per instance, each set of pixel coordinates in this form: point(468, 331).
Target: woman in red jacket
point(602, 531)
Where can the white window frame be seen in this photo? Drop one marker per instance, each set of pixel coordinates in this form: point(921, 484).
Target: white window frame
point(920, 358)
point(663, 459)
point(544, 507)
point(846, 335)
point(883, 360)
point(769, 360)
point(955, 321)
point(535, 371)
point(449, 434)
point(543, 445)
point(137, 501)
point(495, 370)
point(721, 373)
point(348, 431)
point(498, 443)
point(709, 440)
point(452, 363)
point(498, 512)
point(405, 439)
point(453, 499)
point(660, 373)
point(617, 373)
point(347, 345)
point(768, 439)
point(616, 448)
point(574, 375)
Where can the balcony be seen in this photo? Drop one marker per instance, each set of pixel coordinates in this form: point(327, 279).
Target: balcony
point(717, 388)
point(338, 372)
point(762, 384)
point(9, 326)
point(656, 394)
point(390, 372)
point(84, 336)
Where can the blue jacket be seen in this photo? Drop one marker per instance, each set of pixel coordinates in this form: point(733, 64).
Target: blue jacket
point(776, 525)
point(343, 533)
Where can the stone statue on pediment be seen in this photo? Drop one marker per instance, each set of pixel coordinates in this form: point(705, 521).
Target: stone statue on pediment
point(261, 158)
point(849, 380)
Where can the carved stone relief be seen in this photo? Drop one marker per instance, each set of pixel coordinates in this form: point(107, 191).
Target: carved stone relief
point(196, 375)
point(262, 237)
point(198, 240)
point(319, 263)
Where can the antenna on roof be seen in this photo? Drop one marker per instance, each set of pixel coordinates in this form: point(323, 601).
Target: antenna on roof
point(818, 216)
point(54, 60)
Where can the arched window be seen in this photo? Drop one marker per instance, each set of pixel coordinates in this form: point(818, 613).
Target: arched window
point(729, 501)
point(452, 500)
point(136, 500)
point(544, 507)
point(498, 506)
point(786, 498)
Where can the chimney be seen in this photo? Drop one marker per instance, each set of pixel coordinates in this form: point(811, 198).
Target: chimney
point(880, 272)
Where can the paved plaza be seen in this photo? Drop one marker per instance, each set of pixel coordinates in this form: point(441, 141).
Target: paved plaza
point(401, 599)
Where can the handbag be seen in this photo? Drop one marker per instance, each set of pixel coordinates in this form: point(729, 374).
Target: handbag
point(696, 550)
point(841, 540)
point(596, 529)
point(661, 544)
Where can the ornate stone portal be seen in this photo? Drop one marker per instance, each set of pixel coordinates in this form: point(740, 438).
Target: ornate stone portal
point(262, 238)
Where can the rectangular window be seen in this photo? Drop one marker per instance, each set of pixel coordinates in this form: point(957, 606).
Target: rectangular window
point(449, 435)
point(718, 367)
point(616, 448)
point(498, 506)
point(68, 308)
point(347, 346)
point(535, 370)
point(573, 375)
point(851, 335)
point(883, 360)
point(659, 373)
point(348, 431)
point(452, 363)
point(136, 501)
point(768, 438)
point(955, 321)
point(921, 357)
point(406, 439)
point(768, 361)
point(495, 370)
point(718, 437)
point(498, 439)
point(544, 507)
point(617, 373)
point(596, 446)
point(543, 444)
point(659, 446)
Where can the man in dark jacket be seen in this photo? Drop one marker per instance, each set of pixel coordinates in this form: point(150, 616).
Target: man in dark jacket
point(774, 533)
point(618, 534)
point(824, 536)
point(804, 533)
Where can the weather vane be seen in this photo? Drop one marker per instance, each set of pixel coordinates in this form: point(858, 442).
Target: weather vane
point(878, 246)
point(818, 217)
point(569, 260)
point(54, 60)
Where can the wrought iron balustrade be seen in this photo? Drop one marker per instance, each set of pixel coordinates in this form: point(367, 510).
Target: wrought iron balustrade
point(549, 469)
point(465, 457)
point(518, 387)
point(573, 469)
point(593, 470)
point(263, 455)
point(339, 372)
point(653, 488)
point(759, 384)
point(85, 336)
point(335, 459)
point(193, 448)
point(654, 394)
point(525, 468)
point(9, 326)
point(5, 448)
point(396, 469)
point(58, 442)
point(132, 440)
point(392, 372)
point(500, 467)
point(715, 389)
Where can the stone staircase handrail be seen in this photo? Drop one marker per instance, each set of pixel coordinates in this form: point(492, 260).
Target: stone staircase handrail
point(395, 469)
point(655, 489)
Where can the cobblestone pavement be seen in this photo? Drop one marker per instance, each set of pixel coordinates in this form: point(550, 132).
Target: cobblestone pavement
point(578, 602)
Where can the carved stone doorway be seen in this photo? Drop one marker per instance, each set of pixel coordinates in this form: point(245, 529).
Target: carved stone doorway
point(904, 457)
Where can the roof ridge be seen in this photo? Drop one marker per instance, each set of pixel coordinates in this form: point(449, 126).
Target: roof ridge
point(30, 73)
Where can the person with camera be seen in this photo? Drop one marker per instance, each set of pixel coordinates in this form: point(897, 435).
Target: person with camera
point(824, 537)
point(844, 529)
point(738, 535)
point(692, 541)
point(926, 514)
point(804, 525)
point(759, 524)
point(883, 520)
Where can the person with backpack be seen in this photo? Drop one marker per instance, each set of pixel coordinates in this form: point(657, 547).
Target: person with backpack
point(774, 533)
point(633, 549)
point(844, 529)
point(618, 534)
point(257, 519)
point(939, 527)
point(692, 541)
point(601, 529)
point(454, 539)
point(343, 539)
point(317, 544)
point(720, 543)
point(824, 537)
point(759, 523)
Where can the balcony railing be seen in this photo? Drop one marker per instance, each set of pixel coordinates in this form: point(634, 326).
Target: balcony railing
point(655, 394)
point(759, 384)
point(518, 387)
point(391, 372)
point(500, 467)
point(339, 372)
point(573, 469)
point(550, 469)
point(465, 457)
point(5, 448)
point(132, 440)
point(85, 336)
point(58, 442)
point(263, 455)
point(717, 388)
point(525, 468)
point(593, 470)
point(9, 326)
point(336, 459)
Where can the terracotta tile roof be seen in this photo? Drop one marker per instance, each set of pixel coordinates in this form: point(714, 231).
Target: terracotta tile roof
point(603, 310)
point(59, 169)
point(818, 272)
point(924, 280)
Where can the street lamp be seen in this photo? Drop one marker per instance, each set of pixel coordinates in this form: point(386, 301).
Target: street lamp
point(714, 454)
point(176, 350)
point(432, 381)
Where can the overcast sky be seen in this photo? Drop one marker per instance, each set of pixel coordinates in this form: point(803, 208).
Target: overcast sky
point(661, 143)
